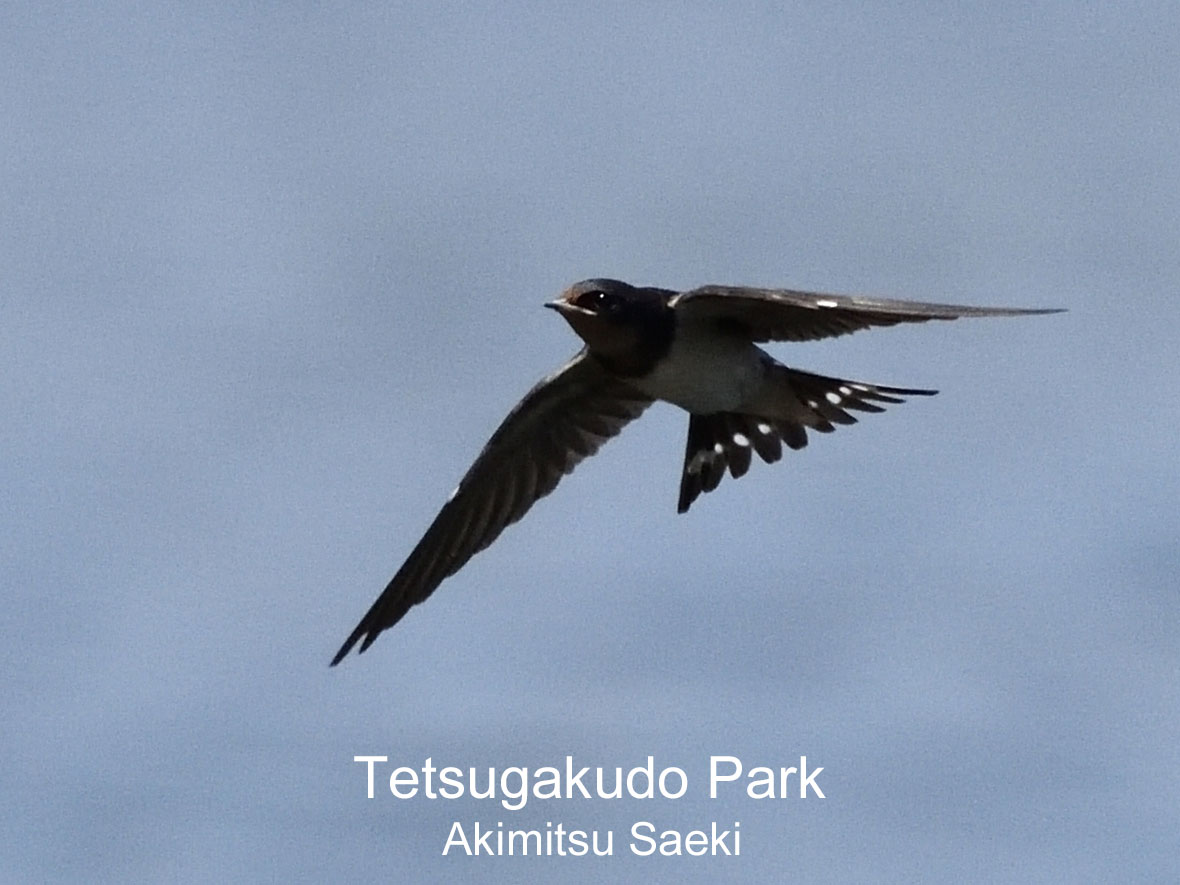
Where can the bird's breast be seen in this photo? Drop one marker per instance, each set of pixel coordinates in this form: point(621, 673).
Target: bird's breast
point(705, 372)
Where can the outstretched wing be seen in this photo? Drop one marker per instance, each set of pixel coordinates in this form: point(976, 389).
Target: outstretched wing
point(561, 421)
point(789, 315)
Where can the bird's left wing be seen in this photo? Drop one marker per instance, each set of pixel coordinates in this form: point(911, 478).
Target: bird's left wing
point(561, 421)
point(790, 315)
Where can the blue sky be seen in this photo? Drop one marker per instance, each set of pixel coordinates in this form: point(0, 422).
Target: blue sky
point(271, 277)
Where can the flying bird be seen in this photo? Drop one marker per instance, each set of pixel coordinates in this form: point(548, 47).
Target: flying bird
point(697, 350)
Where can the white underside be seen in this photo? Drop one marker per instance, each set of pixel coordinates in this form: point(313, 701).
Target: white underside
point(707, 373)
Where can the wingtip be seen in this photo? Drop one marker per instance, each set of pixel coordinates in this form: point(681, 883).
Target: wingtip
point(347, 647)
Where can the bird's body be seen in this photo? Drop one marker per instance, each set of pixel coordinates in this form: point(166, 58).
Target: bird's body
point(705, 372)
point(697, 350)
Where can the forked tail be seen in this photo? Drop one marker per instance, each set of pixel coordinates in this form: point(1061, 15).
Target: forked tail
point(725, 440)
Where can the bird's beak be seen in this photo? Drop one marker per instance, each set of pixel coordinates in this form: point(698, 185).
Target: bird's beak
point(566, 309)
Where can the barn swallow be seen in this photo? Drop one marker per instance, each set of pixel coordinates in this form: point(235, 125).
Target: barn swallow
point(697, 350)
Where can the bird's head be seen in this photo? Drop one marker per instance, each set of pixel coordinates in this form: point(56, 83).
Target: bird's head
point(612, 317)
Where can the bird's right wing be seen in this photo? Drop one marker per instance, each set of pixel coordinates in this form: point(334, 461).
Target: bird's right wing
point(564, 419)
point(791, 315)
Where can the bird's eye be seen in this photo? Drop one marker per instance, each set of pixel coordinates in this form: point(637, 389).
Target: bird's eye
point(598, 301)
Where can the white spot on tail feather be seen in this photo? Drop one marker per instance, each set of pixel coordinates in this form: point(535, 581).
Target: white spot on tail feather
point(698, 460)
